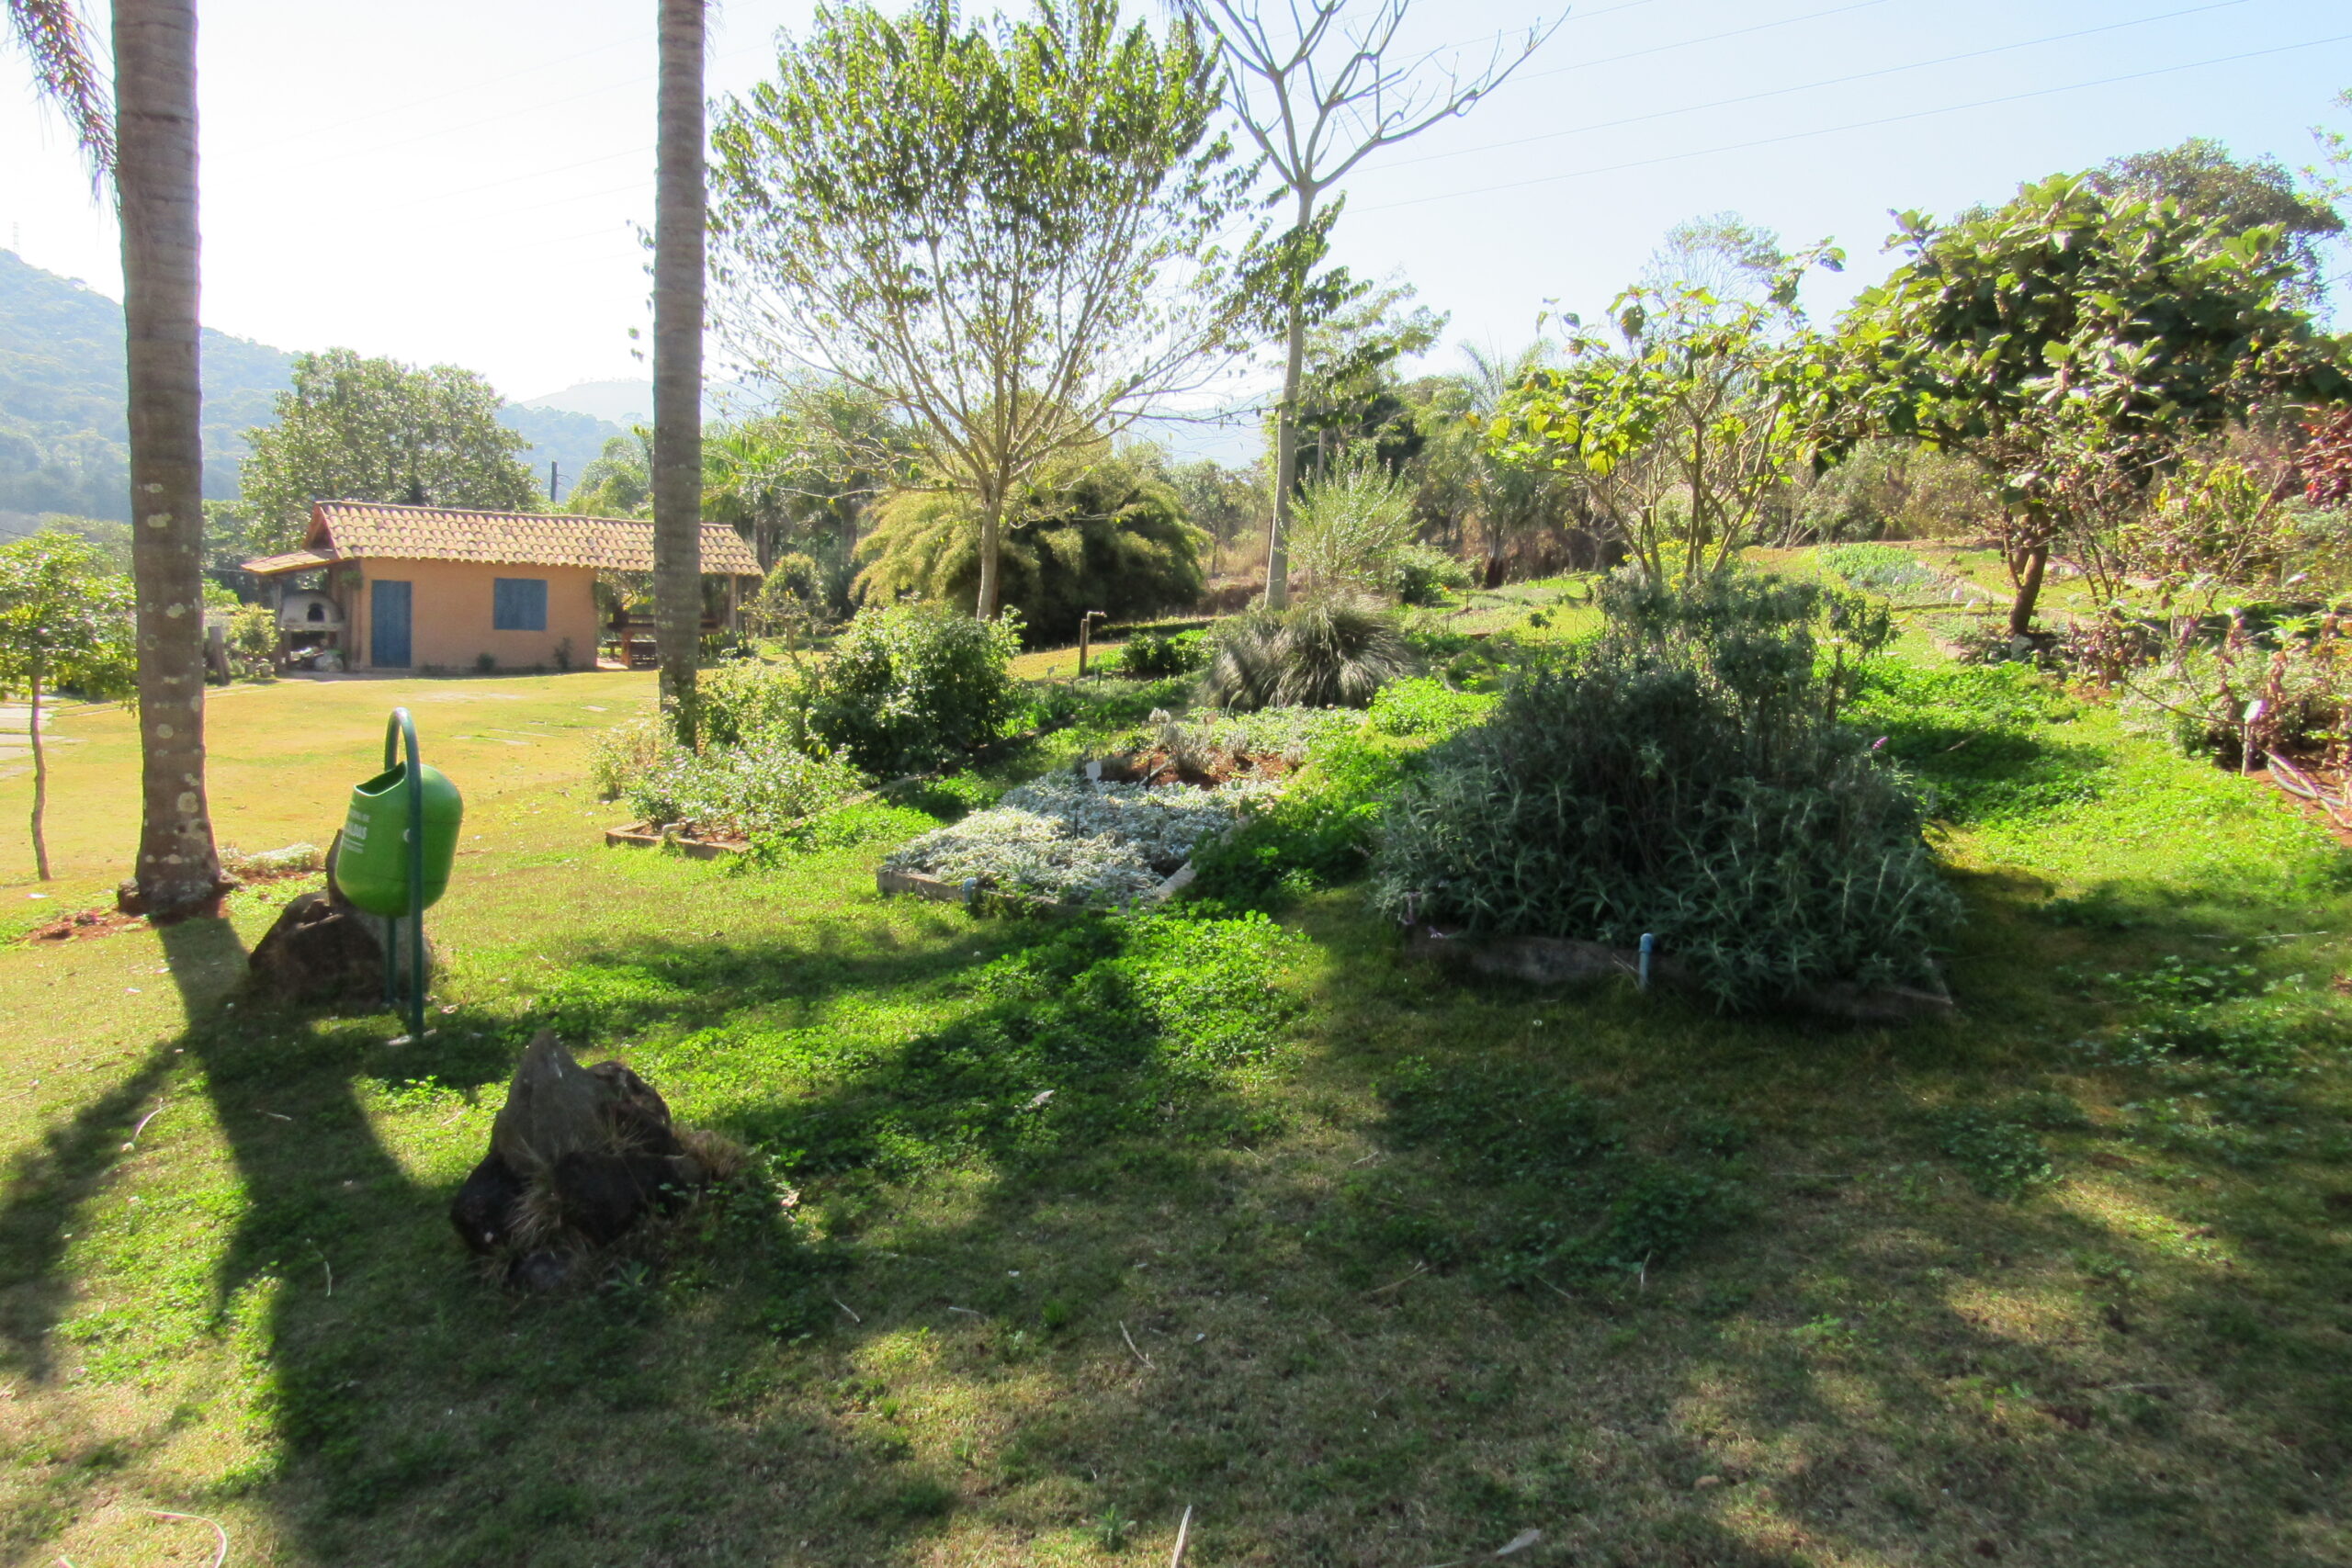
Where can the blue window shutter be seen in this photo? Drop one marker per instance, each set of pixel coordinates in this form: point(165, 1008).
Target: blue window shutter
point(518, 603)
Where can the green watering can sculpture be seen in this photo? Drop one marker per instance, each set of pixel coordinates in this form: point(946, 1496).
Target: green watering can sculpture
point(399, 842)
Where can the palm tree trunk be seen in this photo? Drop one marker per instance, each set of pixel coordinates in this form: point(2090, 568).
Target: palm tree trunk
point(677, 363)
point(41, 781)
point(154, 51)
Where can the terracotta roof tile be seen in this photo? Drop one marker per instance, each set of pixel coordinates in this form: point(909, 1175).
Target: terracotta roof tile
point(295, 561)
point(362, 529)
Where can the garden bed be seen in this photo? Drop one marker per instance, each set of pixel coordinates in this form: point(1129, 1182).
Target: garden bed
point(1563, 960)
point(1070, 839)
point(655, 835)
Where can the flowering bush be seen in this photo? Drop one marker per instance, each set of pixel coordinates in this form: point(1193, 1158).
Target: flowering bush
point(759, 786)
point(1066, 838)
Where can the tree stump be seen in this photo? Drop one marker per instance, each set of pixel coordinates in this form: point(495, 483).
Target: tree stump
point(577, 1157)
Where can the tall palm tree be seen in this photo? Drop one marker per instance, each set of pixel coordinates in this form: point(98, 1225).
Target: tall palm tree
point(151, 150)
point(677, 361)
point(155, 74)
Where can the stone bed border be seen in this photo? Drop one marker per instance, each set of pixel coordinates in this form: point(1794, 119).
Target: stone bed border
point(1559, 960)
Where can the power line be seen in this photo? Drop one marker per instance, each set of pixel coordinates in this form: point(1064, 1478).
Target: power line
point(1694, 42)
point(1859, 125)
point(1814, 86)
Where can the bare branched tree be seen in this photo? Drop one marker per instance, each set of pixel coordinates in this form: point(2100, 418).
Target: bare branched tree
point(1321, 85)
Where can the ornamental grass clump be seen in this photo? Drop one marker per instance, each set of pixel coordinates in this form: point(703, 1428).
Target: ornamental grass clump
point(1686, 773)
point(1068, 839)
point(1331, 651)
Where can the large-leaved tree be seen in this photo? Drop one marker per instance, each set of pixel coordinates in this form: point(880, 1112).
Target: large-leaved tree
point(361, 429)
point(1685, 426)
point(1007, 233)
point(2075, 343)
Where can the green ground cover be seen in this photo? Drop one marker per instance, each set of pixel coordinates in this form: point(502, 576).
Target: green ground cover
point(1058, 1227)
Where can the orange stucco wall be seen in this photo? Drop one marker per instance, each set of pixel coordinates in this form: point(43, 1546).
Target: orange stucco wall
point(450, 621)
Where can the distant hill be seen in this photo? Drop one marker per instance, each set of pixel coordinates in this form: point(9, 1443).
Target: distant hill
point(63, 439)
point(62, 435)
point(628, 403)
point(623, 403)
point(571, 440)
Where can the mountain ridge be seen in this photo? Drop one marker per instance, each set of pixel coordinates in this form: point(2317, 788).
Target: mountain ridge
point(64, 437)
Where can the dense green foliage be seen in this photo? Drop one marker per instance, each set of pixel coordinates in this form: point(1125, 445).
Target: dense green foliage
point(1685, 774)
point(759, 786)
point(64, 619)
point(2075, 342)
point(912, 687)
point(1096, 532)
point(1155, 656)
point(906, 689)
point(358, 429)
point(65, 443)
point(1329, 651)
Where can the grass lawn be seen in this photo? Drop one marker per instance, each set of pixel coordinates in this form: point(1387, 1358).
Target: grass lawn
point(1364, 1267)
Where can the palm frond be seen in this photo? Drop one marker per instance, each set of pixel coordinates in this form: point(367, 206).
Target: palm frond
point(65, 65)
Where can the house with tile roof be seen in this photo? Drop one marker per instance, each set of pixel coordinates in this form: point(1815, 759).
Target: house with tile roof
point(426, 588)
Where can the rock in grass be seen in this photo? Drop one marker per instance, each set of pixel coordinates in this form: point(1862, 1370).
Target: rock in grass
point(317, 953)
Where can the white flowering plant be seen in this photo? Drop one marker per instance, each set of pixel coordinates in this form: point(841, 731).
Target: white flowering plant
point(1069, 840)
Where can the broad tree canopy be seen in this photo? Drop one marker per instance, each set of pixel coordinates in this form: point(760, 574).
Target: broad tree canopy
point(355, 429)
point(2072, 341)
point(1007, 232)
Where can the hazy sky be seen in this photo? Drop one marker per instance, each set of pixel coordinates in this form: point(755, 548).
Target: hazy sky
point(457, 180)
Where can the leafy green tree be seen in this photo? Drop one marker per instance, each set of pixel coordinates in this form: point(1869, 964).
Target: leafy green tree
point(1224, 502)
point(1685, 427)
point(2074, 344)
point(65, 621)
point(620, 483)
point(1006, 234)
point(2235, 195)
point(1349, 394)
point(360, 429)
point(1095, 532)
point(1320, 87)
point(801, 478)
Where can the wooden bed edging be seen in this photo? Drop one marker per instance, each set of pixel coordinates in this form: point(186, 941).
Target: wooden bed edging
point(636, 835)
point(1559, 960)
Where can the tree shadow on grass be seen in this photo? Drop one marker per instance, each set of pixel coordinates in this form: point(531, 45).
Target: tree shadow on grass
point(1056, 1274)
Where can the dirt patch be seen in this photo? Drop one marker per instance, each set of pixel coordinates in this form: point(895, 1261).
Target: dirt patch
point(88, 923)
point(1202, 770)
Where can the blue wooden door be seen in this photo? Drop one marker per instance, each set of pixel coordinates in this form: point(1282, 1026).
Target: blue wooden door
point(388, 605)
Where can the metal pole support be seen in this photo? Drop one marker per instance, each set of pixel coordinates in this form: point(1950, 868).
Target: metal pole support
point(399, 728)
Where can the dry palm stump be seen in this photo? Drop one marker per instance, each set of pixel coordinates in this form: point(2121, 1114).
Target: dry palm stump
point(578, 1157)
